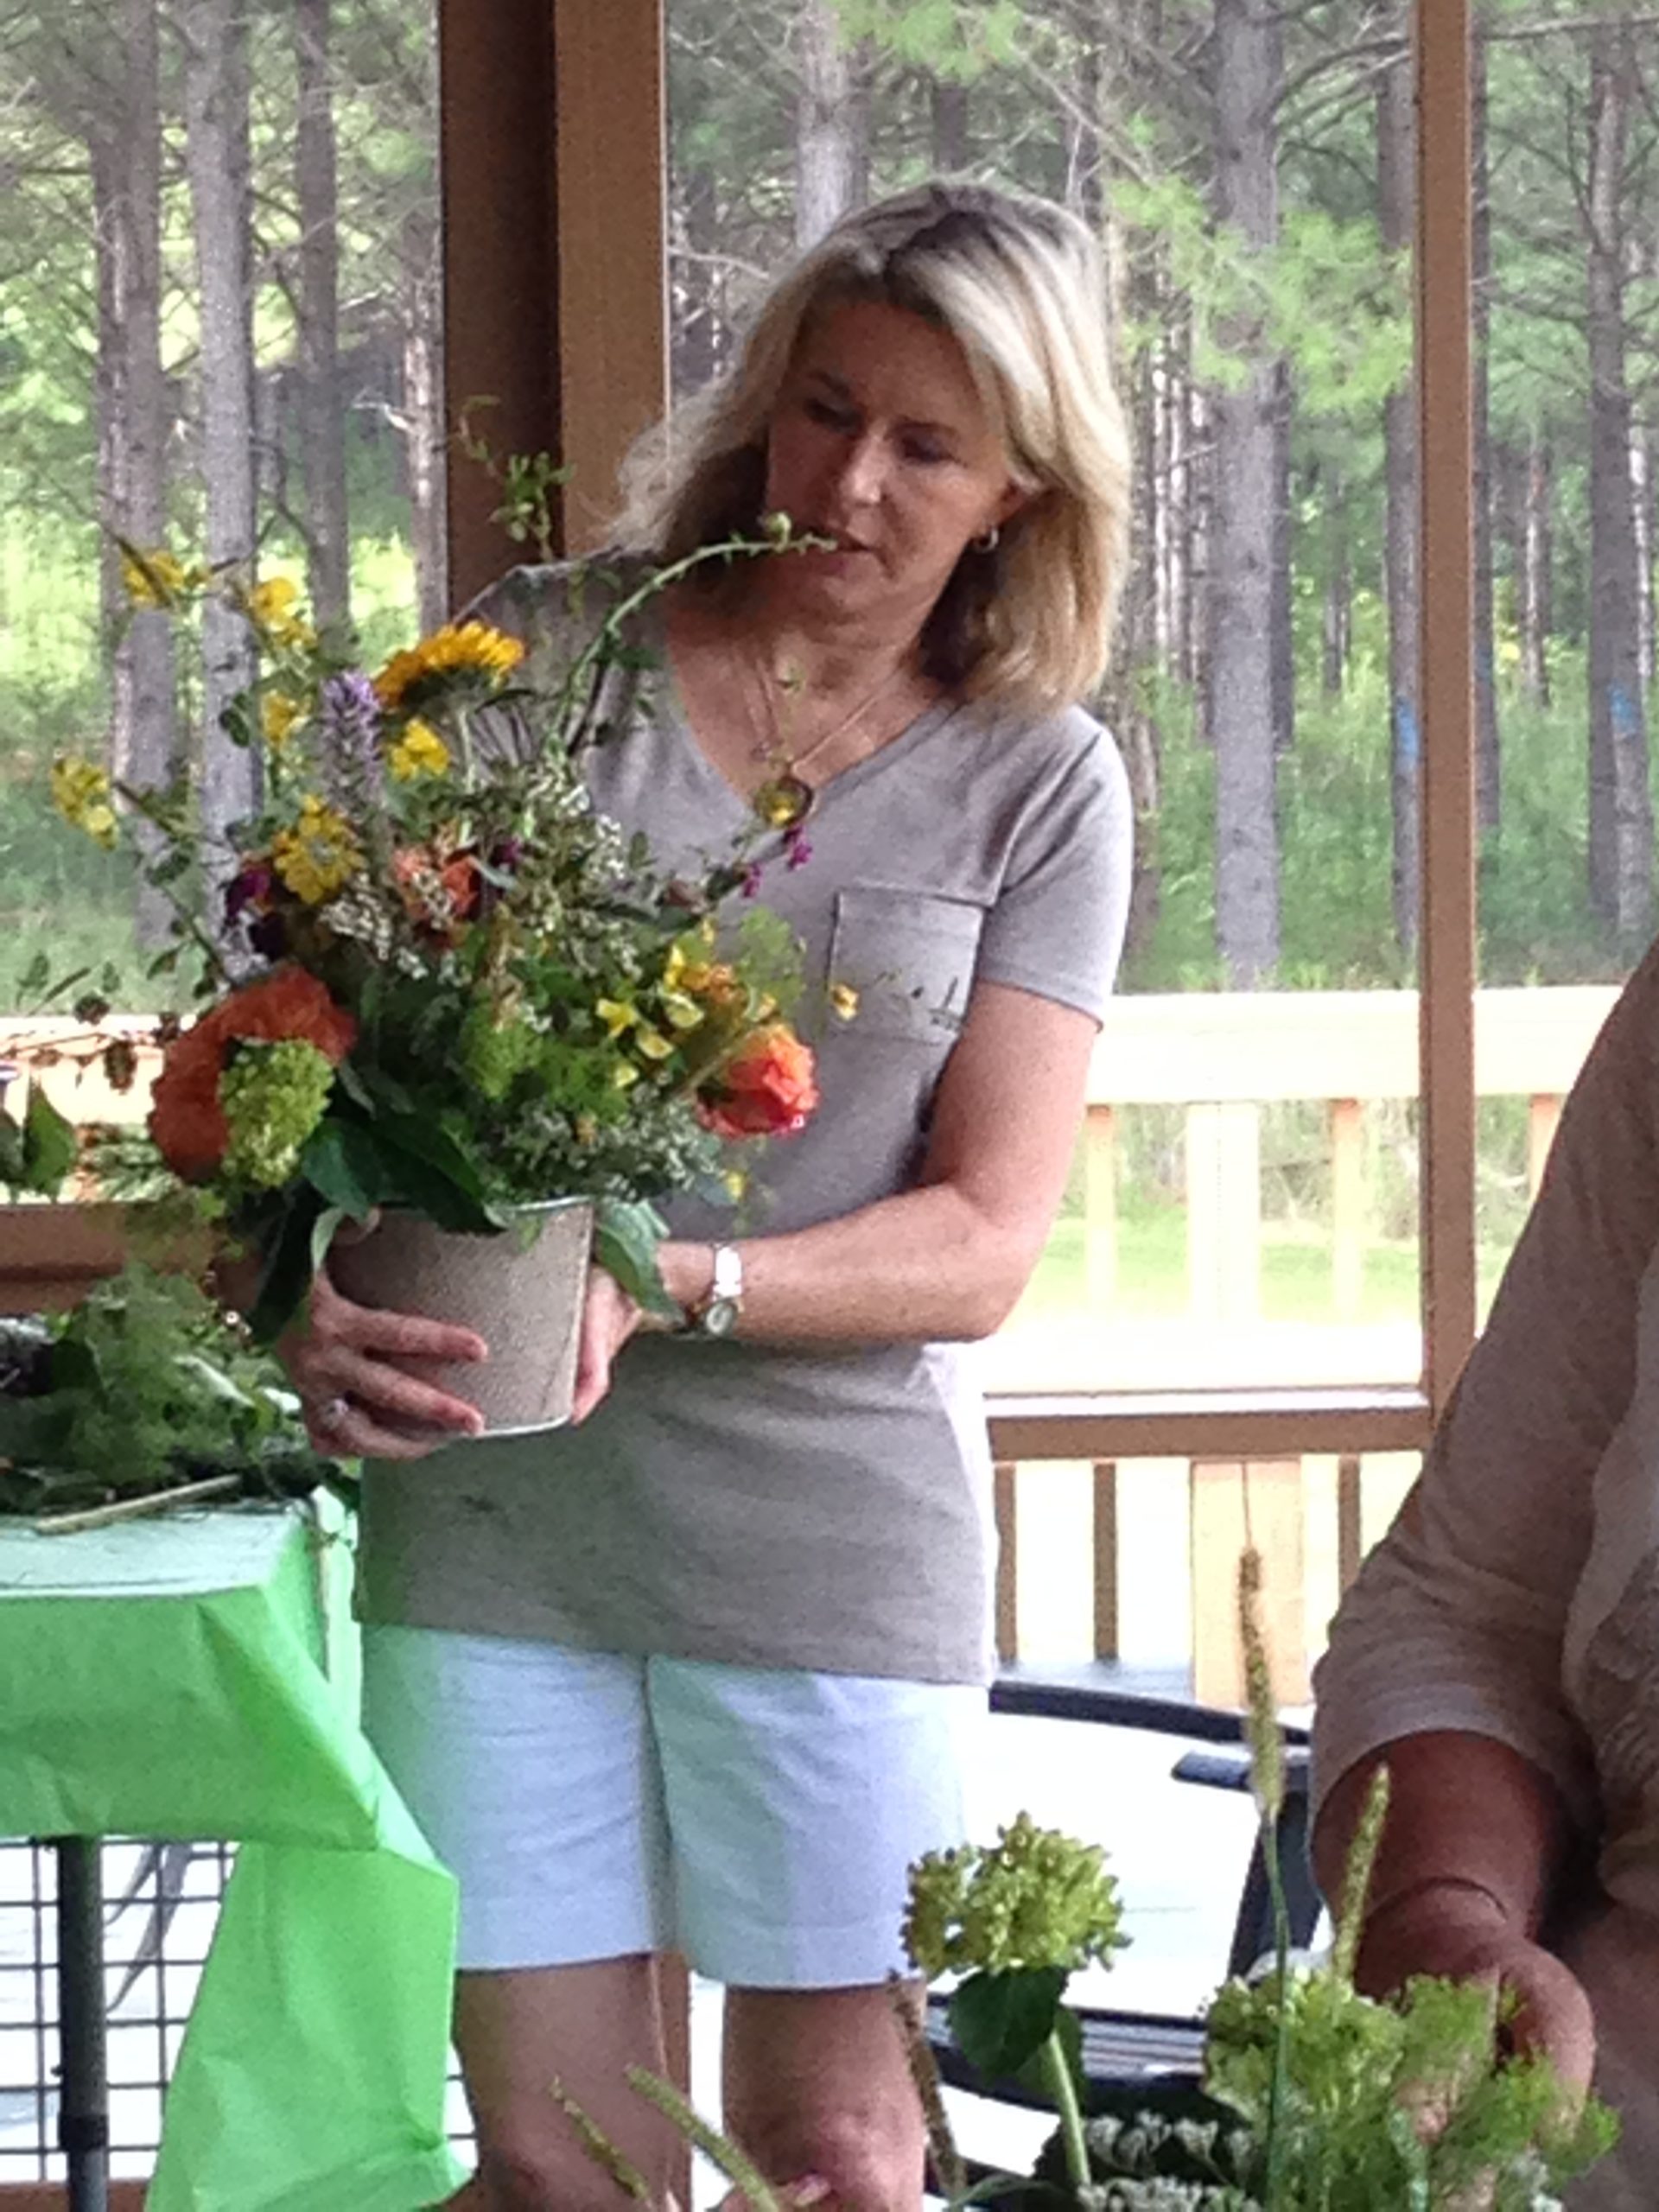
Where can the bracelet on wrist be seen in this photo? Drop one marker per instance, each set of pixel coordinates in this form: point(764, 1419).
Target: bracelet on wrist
point(1408, 1892)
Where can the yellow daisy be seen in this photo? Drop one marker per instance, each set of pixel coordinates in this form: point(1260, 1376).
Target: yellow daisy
point(319, 855)
point(269, 606)
point(152, 576)
point(81, 791)
point(616, 1015)
point(277, 715)
point(419, 752)
point(844, 999)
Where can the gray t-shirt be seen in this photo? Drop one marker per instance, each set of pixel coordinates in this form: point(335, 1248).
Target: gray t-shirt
point(766, 1504)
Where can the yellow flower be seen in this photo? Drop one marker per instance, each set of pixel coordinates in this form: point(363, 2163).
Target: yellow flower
point(81, 791)
point(319, 855)
point(623, 1075)
point(277, 715)
point(673, 968)
point(616, 1015)
point(680, 1012)
point(459, 649)
point(652, 1043)
point(154, 577)
point(844, 999)
point(736, 1183)
point(269, 606)
point(419, 752)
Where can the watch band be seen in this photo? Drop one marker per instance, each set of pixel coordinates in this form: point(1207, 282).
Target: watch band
point(715, 1313)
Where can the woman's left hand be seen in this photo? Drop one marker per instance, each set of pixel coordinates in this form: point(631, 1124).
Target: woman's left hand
point(609, 1318)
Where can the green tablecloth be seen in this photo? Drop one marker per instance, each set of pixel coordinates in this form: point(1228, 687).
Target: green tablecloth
point(169, 1678)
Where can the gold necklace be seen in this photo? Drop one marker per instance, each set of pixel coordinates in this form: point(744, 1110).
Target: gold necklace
point(785, 799)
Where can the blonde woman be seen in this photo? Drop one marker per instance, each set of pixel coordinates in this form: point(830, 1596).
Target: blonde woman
point(703, 1671)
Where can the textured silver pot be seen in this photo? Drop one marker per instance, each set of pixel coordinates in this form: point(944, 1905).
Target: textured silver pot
point(521, 1289)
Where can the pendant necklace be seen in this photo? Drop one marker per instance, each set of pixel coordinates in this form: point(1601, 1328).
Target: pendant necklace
point(785, 799)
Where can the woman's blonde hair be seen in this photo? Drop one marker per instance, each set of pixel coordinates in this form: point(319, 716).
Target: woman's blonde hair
point(1018, 283)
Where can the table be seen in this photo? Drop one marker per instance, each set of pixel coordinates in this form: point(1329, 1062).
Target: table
point(191, 1677)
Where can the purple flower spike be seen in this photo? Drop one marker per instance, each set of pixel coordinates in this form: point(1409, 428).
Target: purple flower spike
point(751, 886)
point(349, 711)
point(797, 851)
point(508, 854)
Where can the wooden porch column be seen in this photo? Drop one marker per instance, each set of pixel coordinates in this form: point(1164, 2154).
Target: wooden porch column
point(554, 170)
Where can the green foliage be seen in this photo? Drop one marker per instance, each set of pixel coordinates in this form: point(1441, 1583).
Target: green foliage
point(142, 1387)
point(37, 1151)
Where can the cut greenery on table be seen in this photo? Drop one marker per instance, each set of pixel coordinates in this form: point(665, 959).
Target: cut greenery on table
point(142, 1396)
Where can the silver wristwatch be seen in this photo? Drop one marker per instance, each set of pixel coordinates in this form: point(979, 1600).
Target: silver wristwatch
point(714, 1314)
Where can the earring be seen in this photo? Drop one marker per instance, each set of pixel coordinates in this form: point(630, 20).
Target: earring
point(989, 540)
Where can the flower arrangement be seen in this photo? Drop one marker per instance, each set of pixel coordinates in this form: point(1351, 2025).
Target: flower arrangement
point(437, 978)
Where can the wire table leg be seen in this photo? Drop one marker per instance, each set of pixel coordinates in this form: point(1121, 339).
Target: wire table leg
point(83, 2077)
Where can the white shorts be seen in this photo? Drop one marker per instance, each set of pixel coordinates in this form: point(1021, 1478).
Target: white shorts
point(593, 1804)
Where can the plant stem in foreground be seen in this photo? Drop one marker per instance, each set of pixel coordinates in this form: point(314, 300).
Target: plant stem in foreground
point(1062, 2086)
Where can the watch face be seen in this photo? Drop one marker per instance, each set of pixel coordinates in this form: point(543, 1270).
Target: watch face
point(719, 1316)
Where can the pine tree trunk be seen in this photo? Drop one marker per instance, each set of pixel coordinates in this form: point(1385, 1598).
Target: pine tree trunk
point(1337, 614)
point(1537, 573)
point(1489, 778)
point(1283, 639)
point(949, 116)
point(1396, 197)
point(1621, 811)
point(698, 318)
point(832, 123)
point(133, 421)
point(422, 422)
point(322, 437)
point(1249, 68)
point(216, 151)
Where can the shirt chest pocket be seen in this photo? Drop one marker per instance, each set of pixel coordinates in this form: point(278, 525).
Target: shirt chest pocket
point(910, 956)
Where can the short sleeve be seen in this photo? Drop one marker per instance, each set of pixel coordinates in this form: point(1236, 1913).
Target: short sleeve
point(554, 610)
point(1056, 926)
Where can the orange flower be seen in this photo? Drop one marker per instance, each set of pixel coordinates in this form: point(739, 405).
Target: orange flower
point(765, 1090)
point(185, 1118)
point(418, 874)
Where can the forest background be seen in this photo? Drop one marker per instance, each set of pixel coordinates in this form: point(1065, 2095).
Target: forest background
point(220, 326)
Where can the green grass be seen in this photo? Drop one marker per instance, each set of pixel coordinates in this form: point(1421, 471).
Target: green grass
point(1296, 1277)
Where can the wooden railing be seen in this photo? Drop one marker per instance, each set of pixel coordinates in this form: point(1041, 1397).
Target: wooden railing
point(1221, 1058)
point(1224, 1055)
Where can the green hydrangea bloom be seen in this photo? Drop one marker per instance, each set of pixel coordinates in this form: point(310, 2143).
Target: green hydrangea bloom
point(1035, 1899)
point(272, 1097)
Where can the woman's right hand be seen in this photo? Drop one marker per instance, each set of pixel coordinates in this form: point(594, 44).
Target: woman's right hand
point(357, 1403)
point(1457, 1933)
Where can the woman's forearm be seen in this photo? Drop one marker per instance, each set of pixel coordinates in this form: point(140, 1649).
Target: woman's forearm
point(1463, 1810)
point(927, 1264)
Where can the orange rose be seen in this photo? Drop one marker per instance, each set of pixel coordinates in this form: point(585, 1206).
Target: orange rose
point(185, 1119)
point(765, 1090)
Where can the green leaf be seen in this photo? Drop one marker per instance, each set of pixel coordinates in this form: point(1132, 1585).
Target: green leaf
point(322, 1236)
point(50, 1146)
point(12, 1153)
point(1001, 2019)
point(286, 1275)
point(1034, 2075)
point(347, 1163)
point(626, 1233)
